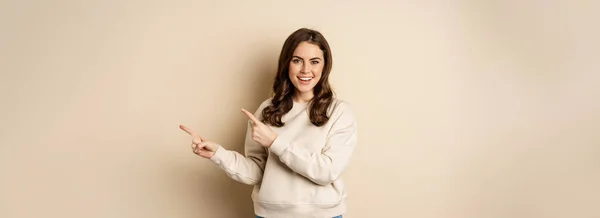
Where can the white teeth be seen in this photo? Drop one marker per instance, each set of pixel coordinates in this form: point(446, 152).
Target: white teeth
point(305, 79)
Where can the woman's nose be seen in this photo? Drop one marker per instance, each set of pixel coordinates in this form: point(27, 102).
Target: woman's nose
point(305, 68)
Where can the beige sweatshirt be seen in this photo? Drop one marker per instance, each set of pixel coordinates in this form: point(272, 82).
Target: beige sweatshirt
point(300, 174)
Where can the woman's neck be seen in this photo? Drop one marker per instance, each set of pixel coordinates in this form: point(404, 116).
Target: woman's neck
point(303, 97)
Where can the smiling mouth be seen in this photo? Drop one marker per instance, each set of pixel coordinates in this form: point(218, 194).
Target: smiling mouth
point(304, 80)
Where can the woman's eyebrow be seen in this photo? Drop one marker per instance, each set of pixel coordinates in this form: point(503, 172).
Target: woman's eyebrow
point(315, 58)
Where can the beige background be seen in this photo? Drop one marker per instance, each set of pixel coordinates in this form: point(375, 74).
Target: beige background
point(467, 109)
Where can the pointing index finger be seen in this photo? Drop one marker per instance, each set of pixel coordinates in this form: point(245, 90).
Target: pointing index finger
point(188, 130)
point(250, 116)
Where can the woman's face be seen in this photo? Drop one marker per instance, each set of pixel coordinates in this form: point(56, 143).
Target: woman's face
point(306, 67)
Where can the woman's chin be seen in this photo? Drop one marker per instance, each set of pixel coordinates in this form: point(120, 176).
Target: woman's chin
point(304, 90)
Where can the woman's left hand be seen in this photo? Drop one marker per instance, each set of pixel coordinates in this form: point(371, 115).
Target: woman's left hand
point(261, 133)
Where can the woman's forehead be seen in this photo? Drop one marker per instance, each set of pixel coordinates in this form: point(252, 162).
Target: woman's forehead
point(308, 50)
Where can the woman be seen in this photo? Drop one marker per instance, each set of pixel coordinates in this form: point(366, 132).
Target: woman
point(298, 142)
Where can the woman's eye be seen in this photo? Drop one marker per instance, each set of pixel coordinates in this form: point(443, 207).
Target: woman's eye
point(315, 62)
point(296, 61)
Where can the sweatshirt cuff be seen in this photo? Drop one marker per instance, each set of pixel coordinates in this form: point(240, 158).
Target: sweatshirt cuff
point(219, 156)
point(280, 146)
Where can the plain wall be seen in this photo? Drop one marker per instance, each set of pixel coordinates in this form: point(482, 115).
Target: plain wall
point(466, 109)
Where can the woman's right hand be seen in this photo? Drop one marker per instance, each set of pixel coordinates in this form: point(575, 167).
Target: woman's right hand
point(201, 146)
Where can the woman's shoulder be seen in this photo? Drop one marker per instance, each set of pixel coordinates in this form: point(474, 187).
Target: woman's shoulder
point(265, 103)
point(341, 113)
point(339, 107)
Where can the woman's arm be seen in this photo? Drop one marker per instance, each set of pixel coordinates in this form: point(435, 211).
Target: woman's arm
point(325, 167)
point(245, 169)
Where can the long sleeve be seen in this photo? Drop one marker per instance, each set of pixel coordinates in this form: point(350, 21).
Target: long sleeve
point(325, 167)
point(246, 169)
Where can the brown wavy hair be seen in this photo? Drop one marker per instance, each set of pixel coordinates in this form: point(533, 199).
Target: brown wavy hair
point(284, 90)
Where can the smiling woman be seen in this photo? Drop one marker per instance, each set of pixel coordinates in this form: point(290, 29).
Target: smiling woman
point(302, 76)
point(294, 175)
point(306, 67)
